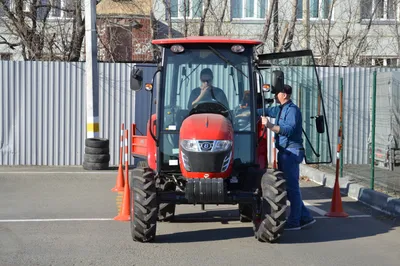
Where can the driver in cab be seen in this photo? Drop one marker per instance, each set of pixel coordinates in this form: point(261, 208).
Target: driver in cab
point(207, 92)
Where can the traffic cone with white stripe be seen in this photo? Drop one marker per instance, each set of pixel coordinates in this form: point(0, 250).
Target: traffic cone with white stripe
point(119, 186)
point(124, 214)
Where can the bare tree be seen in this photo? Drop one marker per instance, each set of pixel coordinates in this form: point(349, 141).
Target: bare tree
point(361, 39)
point(167, 5)
point(284, 24)
point(40, 37)
point(203, 16)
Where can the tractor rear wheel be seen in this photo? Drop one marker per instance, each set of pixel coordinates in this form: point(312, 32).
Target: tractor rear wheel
point(143, 205)
point(270, 216)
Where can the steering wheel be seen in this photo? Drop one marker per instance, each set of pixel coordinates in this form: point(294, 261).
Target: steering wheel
point(214, 107)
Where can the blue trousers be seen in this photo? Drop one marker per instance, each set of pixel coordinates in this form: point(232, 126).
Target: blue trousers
point(288, 163)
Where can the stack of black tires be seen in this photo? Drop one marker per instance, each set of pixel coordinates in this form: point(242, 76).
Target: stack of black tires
point(97, 154)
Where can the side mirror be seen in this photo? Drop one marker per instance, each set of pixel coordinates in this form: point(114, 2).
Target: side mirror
point(278, 81)
point(319, 123)
point(136, 79)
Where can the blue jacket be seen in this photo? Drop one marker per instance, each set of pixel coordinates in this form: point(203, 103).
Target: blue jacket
point(290, 122)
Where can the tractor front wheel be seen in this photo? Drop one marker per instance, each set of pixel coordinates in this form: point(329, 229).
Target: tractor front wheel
point(270, 214)
point(143, 205)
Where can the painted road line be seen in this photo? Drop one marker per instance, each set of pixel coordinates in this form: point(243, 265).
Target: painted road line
point(91, 172)
point(200, 218)
point(315, 209)
point(350, 216)
point(55, 220)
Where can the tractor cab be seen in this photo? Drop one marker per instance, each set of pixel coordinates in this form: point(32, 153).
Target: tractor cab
point(206, 77)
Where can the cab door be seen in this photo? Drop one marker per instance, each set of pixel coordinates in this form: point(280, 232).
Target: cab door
point(300, 73)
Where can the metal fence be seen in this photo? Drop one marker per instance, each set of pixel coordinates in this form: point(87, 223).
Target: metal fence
point(43, 120)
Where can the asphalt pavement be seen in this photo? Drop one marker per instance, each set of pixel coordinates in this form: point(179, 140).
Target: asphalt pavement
point(64, 216)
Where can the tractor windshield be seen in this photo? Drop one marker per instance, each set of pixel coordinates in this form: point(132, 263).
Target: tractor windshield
point(205, 75)
point(213, 79)
point(300, 73)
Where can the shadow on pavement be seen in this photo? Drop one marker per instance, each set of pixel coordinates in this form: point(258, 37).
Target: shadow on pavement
point(206, 235)
point(324, 230)
point(222, 216)
point(336, 229)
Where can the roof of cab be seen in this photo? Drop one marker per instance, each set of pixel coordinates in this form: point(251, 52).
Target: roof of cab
point(205, 39)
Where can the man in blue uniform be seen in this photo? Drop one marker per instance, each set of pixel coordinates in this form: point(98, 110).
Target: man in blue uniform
point(289, 142)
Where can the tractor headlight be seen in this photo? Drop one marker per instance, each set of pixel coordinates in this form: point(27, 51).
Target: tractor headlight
point(222, 145)
point(189, 145)
point(206, 145)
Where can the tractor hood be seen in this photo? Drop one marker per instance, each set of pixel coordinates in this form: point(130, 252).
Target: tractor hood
point(206, 127)
point(206, 146)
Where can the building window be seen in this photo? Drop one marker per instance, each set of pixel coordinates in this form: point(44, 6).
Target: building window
point(186, 8)
point(58, 8)
point(7, 4)
point(384, 9)
point(319, 9)
point(249, 9)
point(378, 61)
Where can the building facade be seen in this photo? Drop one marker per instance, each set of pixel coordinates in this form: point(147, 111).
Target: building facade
point(341, 32)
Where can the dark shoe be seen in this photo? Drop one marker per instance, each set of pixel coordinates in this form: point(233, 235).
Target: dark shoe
point(308, 223)
point(289, 227)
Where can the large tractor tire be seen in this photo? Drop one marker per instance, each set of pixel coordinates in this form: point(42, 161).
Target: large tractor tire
point(143, 205)
point(270, 218)
point(166, 211)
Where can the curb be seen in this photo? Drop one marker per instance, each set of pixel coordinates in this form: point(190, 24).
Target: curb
point(372, 198)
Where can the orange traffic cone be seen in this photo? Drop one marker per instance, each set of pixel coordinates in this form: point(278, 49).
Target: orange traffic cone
point(336, 205)
point(124, 214)
point(119, 186)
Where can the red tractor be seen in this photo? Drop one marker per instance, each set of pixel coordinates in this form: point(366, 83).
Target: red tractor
point(208, 146)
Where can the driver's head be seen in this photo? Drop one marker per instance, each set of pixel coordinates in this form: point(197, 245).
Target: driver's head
point(206, 76)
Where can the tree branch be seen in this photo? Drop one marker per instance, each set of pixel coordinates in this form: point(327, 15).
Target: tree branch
point(11, 45)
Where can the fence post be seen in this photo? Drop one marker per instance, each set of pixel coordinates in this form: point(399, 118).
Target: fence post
point(373, 130)
point(341, 126)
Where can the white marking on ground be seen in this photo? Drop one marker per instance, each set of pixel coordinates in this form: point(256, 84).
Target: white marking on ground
point(91, 172)
point(178, 219)
point(314, 209)
point(54, 220)
point(350, 216)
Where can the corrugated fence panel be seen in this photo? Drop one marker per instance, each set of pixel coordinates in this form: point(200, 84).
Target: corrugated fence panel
point(43, 108)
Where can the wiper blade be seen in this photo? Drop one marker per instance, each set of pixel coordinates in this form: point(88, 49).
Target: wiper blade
point(226, 60)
